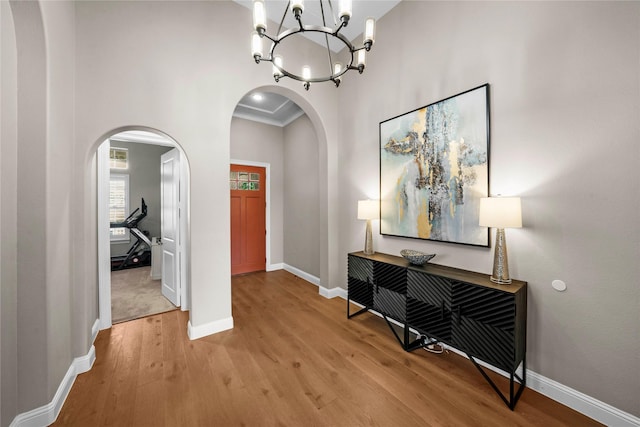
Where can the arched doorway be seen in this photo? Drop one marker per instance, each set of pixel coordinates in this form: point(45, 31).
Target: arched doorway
point(272, 134)
point(326, 188)
point(177, 264)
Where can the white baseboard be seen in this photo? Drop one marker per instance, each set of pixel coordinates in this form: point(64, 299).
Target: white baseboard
point(302, 274)
point(587, 405)
point(47, 414)
point(210, 328)
point(325, 292)
point(333, 292)
point(274, 267)
point(84, 363)
point(94, 330)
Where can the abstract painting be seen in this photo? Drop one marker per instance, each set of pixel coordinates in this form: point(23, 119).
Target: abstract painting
point(434, 168)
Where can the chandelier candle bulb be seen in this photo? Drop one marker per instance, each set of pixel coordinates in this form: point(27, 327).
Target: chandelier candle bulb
point(297, 7)
point(362, 60)
point(277, 62)
point(306, 72)
point(306, 76)
point(369, 33)
point(345, 11)
point(259, 17)
point(337, 69)
point(256, 46)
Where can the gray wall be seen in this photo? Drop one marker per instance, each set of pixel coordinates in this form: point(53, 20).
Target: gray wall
point(190, 95)
point(301, 197)
point(565, 108)
point(8, 202)
point(37, 156)
point(73, 93)
point(565, 128)
point(144, 181)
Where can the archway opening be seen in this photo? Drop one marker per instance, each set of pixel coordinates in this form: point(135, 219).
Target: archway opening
point(281, 129)
point(163, 203)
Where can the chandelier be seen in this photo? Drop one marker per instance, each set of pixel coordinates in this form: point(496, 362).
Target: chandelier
point(354, 59)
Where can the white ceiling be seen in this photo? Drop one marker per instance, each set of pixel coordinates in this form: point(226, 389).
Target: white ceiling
point(142, 136)
point(278, 110)
point(312, 15)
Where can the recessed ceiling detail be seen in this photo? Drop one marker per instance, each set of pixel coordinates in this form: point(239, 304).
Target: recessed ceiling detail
point(273, 109)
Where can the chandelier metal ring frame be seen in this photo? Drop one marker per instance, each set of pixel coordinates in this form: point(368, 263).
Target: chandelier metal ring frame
point(337, 70)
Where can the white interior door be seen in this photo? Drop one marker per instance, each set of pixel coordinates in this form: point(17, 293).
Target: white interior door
point(170, 220)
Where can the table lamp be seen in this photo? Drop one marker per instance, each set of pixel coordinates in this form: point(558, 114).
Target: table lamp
point(368, 209)
point(500, 213)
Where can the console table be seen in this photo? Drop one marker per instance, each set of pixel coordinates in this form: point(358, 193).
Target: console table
point(460, 308)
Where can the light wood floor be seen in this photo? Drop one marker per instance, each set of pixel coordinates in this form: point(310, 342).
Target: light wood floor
point(292, 359)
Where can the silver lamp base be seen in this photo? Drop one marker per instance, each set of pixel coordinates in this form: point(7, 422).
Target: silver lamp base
point(368, 240)
point(500, 261)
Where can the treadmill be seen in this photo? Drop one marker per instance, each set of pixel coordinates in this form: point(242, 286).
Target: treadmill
point(139, 254)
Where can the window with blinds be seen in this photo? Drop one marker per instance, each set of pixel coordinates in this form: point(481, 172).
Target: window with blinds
point(118, 205)
point(118, 158)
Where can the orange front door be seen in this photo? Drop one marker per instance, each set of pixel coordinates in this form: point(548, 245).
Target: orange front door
point(248, 210)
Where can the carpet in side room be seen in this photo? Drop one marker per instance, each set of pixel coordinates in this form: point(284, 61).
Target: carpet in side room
point(135, 295)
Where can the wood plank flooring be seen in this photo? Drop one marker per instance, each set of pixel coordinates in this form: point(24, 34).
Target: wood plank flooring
point(292, 359)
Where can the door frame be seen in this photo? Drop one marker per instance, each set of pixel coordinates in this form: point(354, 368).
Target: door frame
point(267, 240)
point(104, 242)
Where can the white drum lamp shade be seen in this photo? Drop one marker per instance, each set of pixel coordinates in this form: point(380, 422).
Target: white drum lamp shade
point(368, 209)
point(500, 212)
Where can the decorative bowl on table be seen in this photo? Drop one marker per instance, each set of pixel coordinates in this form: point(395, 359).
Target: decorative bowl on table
point(416, 257)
